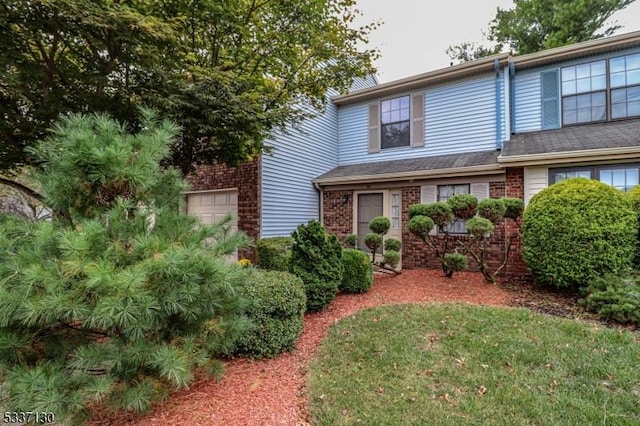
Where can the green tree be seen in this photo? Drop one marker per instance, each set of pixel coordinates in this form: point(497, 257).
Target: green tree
point(534, 25)
point(230, 72)
point(119, 297)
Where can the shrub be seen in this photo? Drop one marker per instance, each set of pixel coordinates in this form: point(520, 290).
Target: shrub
point(577, 230)
point(479, 227)
point(455, 262)
point(277, 305)
point(420, 226)
point(352, 241)
point(514, 207)
point(315, 257)
point(391, 258)
point(634, 195)
point(373, 241)
point(492, 209)
point(615, 297)
point(379, 225)
point(274, 253)
point(440, 213)
point(392, 244)
point(358, 274)
point(463, 206)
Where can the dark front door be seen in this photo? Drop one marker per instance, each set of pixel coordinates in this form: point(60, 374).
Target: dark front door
point(369, 206)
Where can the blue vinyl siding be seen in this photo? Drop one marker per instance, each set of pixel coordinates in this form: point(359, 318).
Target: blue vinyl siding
point(459, 117)
point(363, 83)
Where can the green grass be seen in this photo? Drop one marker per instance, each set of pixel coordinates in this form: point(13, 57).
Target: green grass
point(465, 365)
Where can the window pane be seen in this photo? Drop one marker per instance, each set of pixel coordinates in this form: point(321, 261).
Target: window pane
point(618, 79)
point(584, 174)
point(633, 108)
point(583, 71)
point(633, 61)
point(599, 113)
point(633, 77)
point(606, 177)
point(632, 177)
point(584, 115)
point(386, 117)
point(633, 94)
point(395, 135)
point(618, 96)
point(568, 73)
point(599, 83)
point(404, 102)
point(583, 85)
point(569, 103)
point(618, 110)
point(569, 87)
point(598, 99)
point(395, 104)
point(461, 189)
point(618, 178)
point(385, 106)
point(584, 101)
point(569, 117)
point(395, 116)
point(598, 68)
point(617, 64)
point(404, 114)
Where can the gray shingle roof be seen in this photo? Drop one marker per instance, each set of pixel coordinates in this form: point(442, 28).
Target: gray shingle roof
point(440, 162)
point(618, 134)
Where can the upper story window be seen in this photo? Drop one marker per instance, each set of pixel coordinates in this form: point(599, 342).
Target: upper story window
point(591, 92)
point(395, 122)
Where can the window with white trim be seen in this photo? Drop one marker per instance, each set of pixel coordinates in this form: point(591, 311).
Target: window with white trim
point(447, 191)
point(621, 176)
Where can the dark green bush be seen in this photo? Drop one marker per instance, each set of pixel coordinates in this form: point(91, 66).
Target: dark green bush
point(634, 195)
point(420, 226)
point(373, 241)
point(315, 257)
point(277, 305)
point(492, 209)
point(352, 241)
point(479, 227)
point(417, 210)
point(358, 274)
point(392, 244)
point(513, 207)
point(274, 253)
point(463, 206)
point(379, 225)
point(615, 297)
point(455, 262)
point(439, 212)
point(578, 230)
point(391, 258)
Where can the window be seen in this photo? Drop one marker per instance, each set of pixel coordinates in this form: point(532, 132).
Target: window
point(395, 122)
point(395, 211)
point(447, 191)
point(623, 177)
point(594, 91)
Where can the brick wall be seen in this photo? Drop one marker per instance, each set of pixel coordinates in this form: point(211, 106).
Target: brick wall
point(516, 268)
point(337, 209)
point(247, 179)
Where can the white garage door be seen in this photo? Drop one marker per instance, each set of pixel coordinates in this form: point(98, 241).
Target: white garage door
point(213, 206)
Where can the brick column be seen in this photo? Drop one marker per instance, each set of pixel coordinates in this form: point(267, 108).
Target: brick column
point(516, 268)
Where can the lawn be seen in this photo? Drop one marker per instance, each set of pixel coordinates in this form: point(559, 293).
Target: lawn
point(450, 364)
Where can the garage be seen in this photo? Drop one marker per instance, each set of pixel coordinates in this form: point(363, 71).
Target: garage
point(213, 206)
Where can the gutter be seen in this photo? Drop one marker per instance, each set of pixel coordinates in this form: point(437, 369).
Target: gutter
point(321, 195)
point(414, 174)
point(569, 156)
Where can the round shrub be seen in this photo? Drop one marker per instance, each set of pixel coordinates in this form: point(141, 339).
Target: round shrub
point(492, 209)
point(420, 226)
point(479, 227)
point(513, 207)
point(455, 262)
point(463, 206)
point(274, 253)
point(352, 240)
point(392, 244)
point(440, 213)
point(379, 225)
point(277, 305)
point(578, 230)
point(358, 274)
point(373, 241)
point(417, 210)
point(391, 258)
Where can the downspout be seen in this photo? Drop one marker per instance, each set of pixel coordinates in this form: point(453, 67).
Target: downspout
point(512, 95)
point(496, 66)
point(318, 188)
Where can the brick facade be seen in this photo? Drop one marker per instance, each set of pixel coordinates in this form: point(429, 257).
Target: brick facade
point(337, 207)
point(246, 178)
point(516, 268)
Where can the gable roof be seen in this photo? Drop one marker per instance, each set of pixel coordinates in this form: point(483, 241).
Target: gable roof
point(574, 142)
point(414, 168)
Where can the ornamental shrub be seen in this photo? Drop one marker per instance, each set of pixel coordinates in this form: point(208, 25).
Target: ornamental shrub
point(492, 209)
point(514, 207)
point(358, 274)
point(615, 297)
point(479, 227)
point(634, 195)
point(392, 244)
point(463, 206)
point(379, 225)
point(315, 258)
point(578, 230)
point(352, 241)
point(391, 258)
point(420, 226)
point(274, 253)
point(277, 305)
point(373, 241)
point(455, 262)
point(439, 212)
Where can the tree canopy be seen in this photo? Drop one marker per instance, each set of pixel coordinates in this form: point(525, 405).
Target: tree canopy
point(534, 25)
point(229, 72)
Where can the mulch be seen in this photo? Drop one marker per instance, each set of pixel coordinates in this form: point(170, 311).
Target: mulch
point(272, 391)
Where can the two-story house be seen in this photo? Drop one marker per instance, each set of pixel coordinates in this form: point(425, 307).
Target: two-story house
point(498, 126)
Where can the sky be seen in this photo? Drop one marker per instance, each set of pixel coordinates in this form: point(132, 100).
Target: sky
point(415, 34)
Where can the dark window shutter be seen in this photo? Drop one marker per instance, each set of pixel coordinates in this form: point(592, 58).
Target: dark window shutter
point(550, 98)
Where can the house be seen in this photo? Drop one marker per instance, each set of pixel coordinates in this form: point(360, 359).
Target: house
point(497, 126)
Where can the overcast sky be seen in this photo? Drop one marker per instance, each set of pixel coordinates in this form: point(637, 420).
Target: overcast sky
point(416, 33)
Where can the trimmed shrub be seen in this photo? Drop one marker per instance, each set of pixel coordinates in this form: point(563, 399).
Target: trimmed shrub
point(420, 226)
point(315, 257)
point(634, 195)
point(352, 241)
point(439, 212)
point(358, 274)
point(277, 305)
point(373, 241)
point(463, 206)
point(274, 253)
point(379, 225)
point(479, 227)
point(455, 262)
point(615, 297)
point(513, 207)
point(392, 244)
point(578, 230)
point(492, 209)
point(391, 258)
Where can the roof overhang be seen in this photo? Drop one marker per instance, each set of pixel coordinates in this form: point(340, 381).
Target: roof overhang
point(411, 175)
point(618, 153)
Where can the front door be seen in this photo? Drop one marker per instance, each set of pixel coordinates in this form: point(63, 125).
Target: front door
point(369, 206)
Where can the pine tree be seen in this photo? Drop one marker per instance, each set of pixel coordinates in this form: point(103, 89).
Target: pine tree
point(119, 298)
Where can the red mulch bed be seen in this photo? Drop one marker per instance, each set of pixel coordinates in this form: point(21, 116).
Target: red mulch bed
point(272, 391)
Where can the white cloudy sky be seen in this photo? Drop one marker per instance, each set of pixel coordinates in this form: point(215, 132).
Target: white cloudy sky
point(416, 33)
